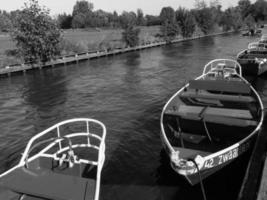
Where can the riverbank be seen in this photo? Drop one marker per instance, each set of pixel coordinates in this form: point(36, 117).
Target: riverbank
point(63, 60)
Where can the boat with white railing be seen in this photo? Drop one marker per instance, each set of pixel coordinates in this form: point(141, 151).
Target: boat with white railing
point(211, 121)
point(64, 162)
point(253, 60)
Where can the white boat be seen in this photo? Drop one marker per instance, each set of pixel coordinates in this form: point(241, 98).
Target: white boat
point(253, 59)
point(211, 121)
point(64, 162)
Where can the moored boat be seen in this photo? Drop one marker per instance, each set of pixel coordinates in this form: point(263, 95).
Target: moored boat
point(64, 162)
point(211, 121)
point(252, 60)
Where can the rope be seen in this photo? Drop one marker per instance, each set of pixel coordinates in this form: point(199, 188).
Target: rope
point(206, 129)
point(177, 134)
point(180, 132)
point(200, 179)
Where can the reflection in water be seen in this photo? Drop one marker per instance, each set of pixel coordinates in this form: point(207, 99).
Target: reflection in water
point(41, 86)
point(125, 92)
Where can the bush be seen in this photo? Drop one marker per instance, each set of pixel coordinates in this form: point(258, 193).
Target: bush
point(36, 35)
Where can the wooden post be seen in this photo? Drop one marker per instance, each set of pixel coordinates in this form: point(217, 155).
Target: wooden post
point(76, 57)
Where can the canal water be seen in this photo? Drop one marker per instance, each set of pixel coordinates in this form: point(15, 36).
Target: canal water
point(127, 93)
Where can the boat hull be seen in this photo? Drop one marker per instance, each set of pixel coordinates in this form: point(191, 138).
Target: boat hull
point(209, 123)
point(249, 67)
point(218, 162)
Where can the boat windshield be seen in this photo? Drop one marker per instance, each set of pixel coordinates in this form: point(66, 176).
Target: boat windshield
point(222, 68)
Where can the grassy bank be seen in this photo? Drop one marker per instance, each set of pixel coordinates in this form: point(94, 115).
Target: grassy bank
point(85, 40)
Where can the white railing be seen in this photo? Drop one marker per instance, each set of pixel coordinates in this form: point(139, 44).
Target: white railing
point(229, 64)
point(59, 138)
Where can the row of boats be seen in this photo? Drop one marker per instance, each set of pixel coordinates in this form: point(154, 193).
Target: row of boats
point(215, 118)
point(254, 59)
point(206, 125)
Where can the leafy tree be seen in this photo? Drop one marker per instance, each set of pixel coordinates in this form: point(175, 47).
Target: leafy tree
point(152, 20)
point(245, 8)
point(100, 18)
point(231, 19)
point(260, 10)
point(169, 31)
point(200, 4)
point(127, 18)
point(82, 14)
point(83, 7)
point(140, 18)
point(250, 22)
point(64, 21)
point(167, 14)
point(36, 35)
point(5, 21)
point(78, 21)
point(169, 28)
point(215, 6)
point(130, 35)
point(186, 22)
point(205, 19)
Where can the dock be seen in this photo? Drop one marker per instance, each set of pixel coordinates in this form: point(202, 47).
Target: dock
point(254, 185)
point(76, 58)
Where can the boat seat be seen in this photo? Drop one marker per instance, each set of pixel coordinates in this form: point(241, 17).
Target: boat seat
point(222, 97)
point(238, 87)
point(46, 184)
point(227, 116)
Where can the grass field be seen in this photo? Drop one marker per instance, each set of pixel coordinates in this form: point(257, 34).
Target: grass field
point(82, 40)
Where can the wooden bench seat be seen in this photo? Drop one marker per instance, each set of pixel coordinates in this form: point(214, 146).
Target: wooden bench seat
point(227, 116)
point(238, 87)
point(222, 97)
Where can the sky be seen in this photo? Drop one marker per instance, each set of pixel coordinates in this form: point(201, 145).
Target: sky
point(152, 7)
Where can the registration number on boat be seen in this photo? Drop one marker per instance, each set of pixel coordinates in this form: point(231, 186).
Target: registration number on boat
point(223, 158)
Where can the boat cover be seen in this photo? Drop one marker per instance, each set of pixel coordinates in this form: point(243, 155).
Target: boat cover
point(46, 184)
point(238, 87)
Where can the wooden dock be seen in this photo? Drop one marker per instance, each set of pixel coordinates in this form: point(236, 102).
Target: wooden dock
point(254, 178)
point(262, 193)
point(75, 58)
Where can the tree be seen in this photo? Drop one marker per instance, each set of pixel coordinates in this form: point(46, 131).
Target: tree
point(5, 21)
point(36, 35)
point(231, 19)
point(82, 14)
point(140, 18)
point(169, 28)
point(204, 19)
point(167, 14)
point(83, 7)
point(260, 10)
point(127, 18)
point(169, 31)
point(245, 8)
point(130, 35)
point(186, 22)
point(152, 20)
point(64, 21)
point(200, 4)
point(250, 22)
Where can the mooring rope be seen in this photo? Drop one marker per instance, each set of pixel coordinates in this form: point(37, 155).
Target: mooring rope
point(200, 179)
point(207, 130)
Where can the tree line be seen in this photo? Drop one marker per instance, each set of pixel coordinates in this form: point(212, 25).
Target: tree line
point(37, 34)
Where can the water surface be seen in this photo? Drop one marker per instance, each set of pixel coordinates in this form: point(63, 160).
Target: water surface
point(127, 93)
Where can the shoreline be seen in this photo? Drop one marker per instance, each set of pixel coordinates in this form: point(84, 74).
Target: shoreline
point(75, 58)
